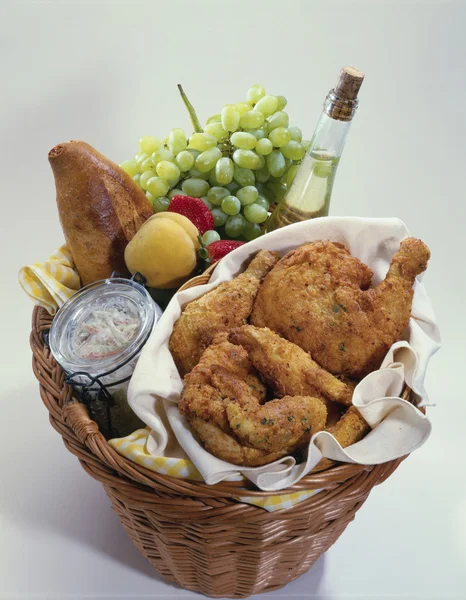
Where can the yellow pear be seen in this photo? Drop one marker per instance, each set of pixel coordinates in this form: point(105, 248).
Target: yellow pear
point(164, 250)
point(189, 227)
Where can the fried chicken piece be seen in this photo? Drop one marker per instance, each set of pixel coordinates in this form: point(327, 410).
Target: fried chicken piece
point(288, 369)
point(226, 447)
point(234, 359)
point(350, 428)
point(201, 398)
point(223, 402)
point(283, 424)
point(317, 296)
point(204, 405)
point(227, 306)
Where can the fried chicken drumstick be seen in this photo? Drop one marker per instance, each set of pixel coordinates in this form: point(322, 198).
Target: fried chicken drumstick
point(227, 306)
point(318, 297)
point(351, 428)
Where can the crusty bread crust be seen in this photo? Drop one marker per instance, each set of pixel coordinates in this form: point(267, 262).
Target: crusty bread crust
point(100, 207)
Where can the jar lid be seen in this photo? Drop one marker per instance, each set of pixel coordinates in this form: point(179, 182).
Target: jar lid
point(103, 326)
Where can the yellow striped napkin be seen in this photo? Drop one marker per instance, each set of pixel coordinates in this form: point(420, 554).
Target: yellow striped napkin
point(134, 447)
point(51, 283)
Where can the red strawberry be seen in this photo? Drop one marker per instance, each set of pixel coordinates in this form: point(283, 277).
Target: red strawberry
point(195, 210)
point(218, 250)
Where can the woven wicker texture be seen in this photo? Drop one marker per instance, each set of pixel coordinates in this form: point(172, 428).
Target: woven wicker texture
point(200, 536)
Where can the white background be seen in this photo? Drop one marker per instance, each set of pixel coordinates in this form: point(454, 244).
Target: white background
point(106, 72)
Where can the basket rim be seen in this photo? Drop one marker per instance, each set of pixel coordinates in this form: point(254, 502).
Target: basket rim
point(71, 419)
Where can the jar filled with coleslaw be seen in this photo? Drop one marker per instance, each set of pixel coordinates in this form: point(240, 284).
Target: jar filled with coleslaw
point(96, 338)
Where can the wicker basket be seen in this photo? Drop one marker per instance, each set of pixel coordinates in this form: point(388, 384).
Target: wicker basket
point(197, 535)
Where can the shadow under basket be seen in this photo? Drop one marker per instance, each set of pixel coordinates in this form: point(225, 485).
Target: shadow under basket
point(197, 535)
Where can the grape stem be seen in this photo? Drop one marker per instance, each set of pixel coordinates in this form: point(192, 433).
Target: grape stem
point(203, 252)
point(192, 113)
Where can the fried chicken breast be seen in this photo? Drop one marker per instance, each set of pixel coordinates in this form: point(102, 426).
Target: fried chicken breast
point(318, 297)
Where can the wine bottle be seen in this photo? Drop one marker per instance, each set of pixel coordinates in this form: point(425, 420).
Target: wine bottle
point(310, 192)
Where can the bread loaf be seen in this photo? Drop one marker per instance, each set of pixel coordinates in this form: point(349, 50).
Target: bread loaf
point(100, 209)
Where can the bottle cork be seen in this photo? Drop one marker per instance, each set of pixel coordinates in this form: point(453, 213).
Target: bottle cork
point(342, 101)
point(349, 82)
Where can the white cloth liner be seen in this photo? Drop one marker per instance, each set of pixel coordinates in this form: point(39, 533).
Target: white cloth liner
point(398, 427)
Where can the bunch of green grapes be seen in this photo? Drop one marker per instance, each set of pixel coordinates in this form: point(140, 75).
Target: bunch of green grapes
point(239, 164)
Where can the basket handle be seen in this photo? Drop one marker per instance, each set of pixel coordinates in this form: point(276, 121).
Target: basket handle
point(77, 418)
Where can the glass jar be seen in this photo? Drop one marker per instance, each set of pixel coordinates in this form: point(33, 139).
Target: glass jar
point(96, 338)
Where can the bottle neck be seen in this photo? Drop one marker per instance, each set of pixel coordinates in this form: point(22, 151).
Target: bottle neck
point(329, 136)
point(339, 108)
point(334, 124)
